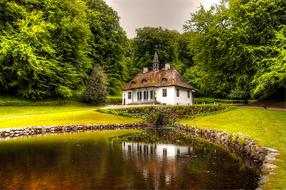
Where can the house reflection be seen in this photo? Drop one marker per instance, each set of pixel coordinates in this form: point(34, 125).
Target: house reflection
point(158, 163)
point(161, 151)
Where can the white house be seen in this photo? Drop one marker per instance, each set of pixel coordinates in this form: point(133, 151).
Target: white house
point(165, 86)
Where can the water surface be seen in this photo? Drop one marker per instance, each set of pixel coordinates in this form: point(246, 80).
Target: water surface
point(91, 161)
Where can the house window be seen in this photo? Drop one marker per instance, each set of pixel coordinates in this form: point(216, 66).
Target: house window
point(139, 96)
point(164, 91)
point(178, 92)
point(189, 93)
point(129, 95)
point(145, 95)
point(151, 94)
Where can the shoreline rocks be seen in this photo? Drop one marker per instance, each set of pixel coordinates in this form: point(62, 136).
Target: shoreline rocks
point(40, 130)
point(245, 148)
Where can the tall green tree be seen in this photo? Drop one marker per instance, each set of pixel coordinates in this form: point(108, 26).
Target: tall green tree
point(231, 42)
point(48, 48)
point(149, 40)
point(109, 43)
point(271, 74)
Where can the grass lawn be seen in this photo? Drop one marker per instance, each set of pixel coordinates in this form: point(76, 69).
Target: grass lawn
point(266, 127)
point(66, 137)
point(21, 116)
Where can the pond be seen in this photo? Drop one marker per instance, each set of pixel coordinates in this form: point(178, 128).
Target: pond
point(91, 161)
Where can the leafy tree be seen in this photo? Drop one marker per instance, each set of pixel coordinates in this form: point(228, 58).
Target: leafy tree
point(271, 75)
point(185, 53)
point(231, 42)
point(149, 40)
point(96, 86)
point(109, 43)
point(48, 48)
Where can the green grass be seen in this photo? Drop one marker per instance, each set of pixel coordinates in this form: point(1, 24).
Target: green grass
point(22, 116)
point(68, 137)
point(266, 127)
point(8, 100)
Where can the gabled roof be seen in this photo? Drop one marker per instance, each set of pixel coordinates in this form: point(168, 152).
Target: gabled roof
point(162, 78)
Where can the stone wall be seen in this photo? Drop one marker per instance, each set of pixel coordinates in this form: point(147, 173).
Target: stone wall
point(243, 147)
point(30, 131)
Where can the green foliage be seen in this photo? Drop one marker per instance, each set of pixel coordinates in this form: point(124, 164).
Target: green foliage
point(149, 40)
point(170, 113)
point(48, 48)
point(113, 100)
point(220, 101)
point(109, 43)
point(237, 49)
point(272, 71)
point(96, 86)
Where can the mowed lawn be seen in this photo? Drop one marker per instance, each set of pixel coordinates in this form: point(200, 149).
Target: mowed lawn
point(22, 116)
point(266, 127)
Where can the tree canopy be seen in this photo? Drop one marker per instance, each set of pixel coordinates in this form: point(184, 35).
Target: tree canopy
point(149, 40)
point(52, 48)
point(48, 48)
point(238, 48)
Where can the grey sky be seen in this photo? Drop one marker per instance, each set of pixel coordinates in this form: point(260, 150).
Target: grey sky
point(169, 14)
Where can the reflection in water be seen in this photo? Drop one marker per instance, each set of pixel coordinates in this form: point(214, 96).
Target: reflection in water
point(199, 167)
point(79, 163)
point(162, 151)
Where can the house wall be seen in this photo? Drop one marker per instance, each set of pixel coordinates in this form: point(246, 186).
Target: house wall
point(125, 97)
point(171, 98)
point(183, 97)
point(134, 96)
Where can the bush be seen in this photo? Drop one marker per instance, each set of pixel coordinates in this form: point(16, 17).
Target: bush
point(219, 101)
point(170, 113)
point(96, 86)
point(114, 100)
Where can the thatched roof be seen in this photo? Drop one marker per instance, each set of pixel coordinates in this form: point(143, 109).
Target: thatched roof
point(161, 78)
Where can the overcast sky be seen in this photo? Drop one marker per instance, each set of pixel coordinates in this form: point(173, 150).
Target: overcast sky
point(170, 14)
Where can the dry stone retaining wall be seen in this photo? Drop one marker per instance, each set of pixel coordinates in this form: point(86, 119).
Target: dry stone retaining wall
point(244, 148)
point(30, 131)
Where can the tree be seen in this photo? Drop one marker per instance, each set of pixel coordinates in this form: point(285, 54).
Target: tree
point(149, 40)
point(271, 75)
point(48, 48)
point(109, 43)
point(96, 86)
point(230, 43)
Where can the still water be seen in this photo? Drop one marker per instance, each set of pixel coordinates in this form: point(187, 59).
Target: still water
point(92, 161)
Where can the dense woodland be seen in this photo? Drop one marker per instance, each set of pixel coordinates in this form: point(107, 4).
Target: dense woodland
point(76, 48)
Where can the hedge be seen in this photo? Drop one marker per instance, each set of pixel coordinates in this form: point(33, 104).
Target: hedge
point(170, 113)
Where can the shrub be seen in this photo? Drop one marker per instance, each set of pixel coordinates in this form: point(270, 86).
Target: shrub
point(219, 101)
point(170, 113)
point(114, 100)
point(96, 86)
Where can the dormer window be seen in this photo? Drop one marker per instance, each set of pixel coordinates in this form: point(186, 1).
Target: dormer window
point(164, 81)
point(144, 82)
point(133, 83)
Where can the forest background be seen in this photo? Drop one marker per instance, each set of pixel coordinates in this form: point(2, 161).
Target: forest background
point(77, 48)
